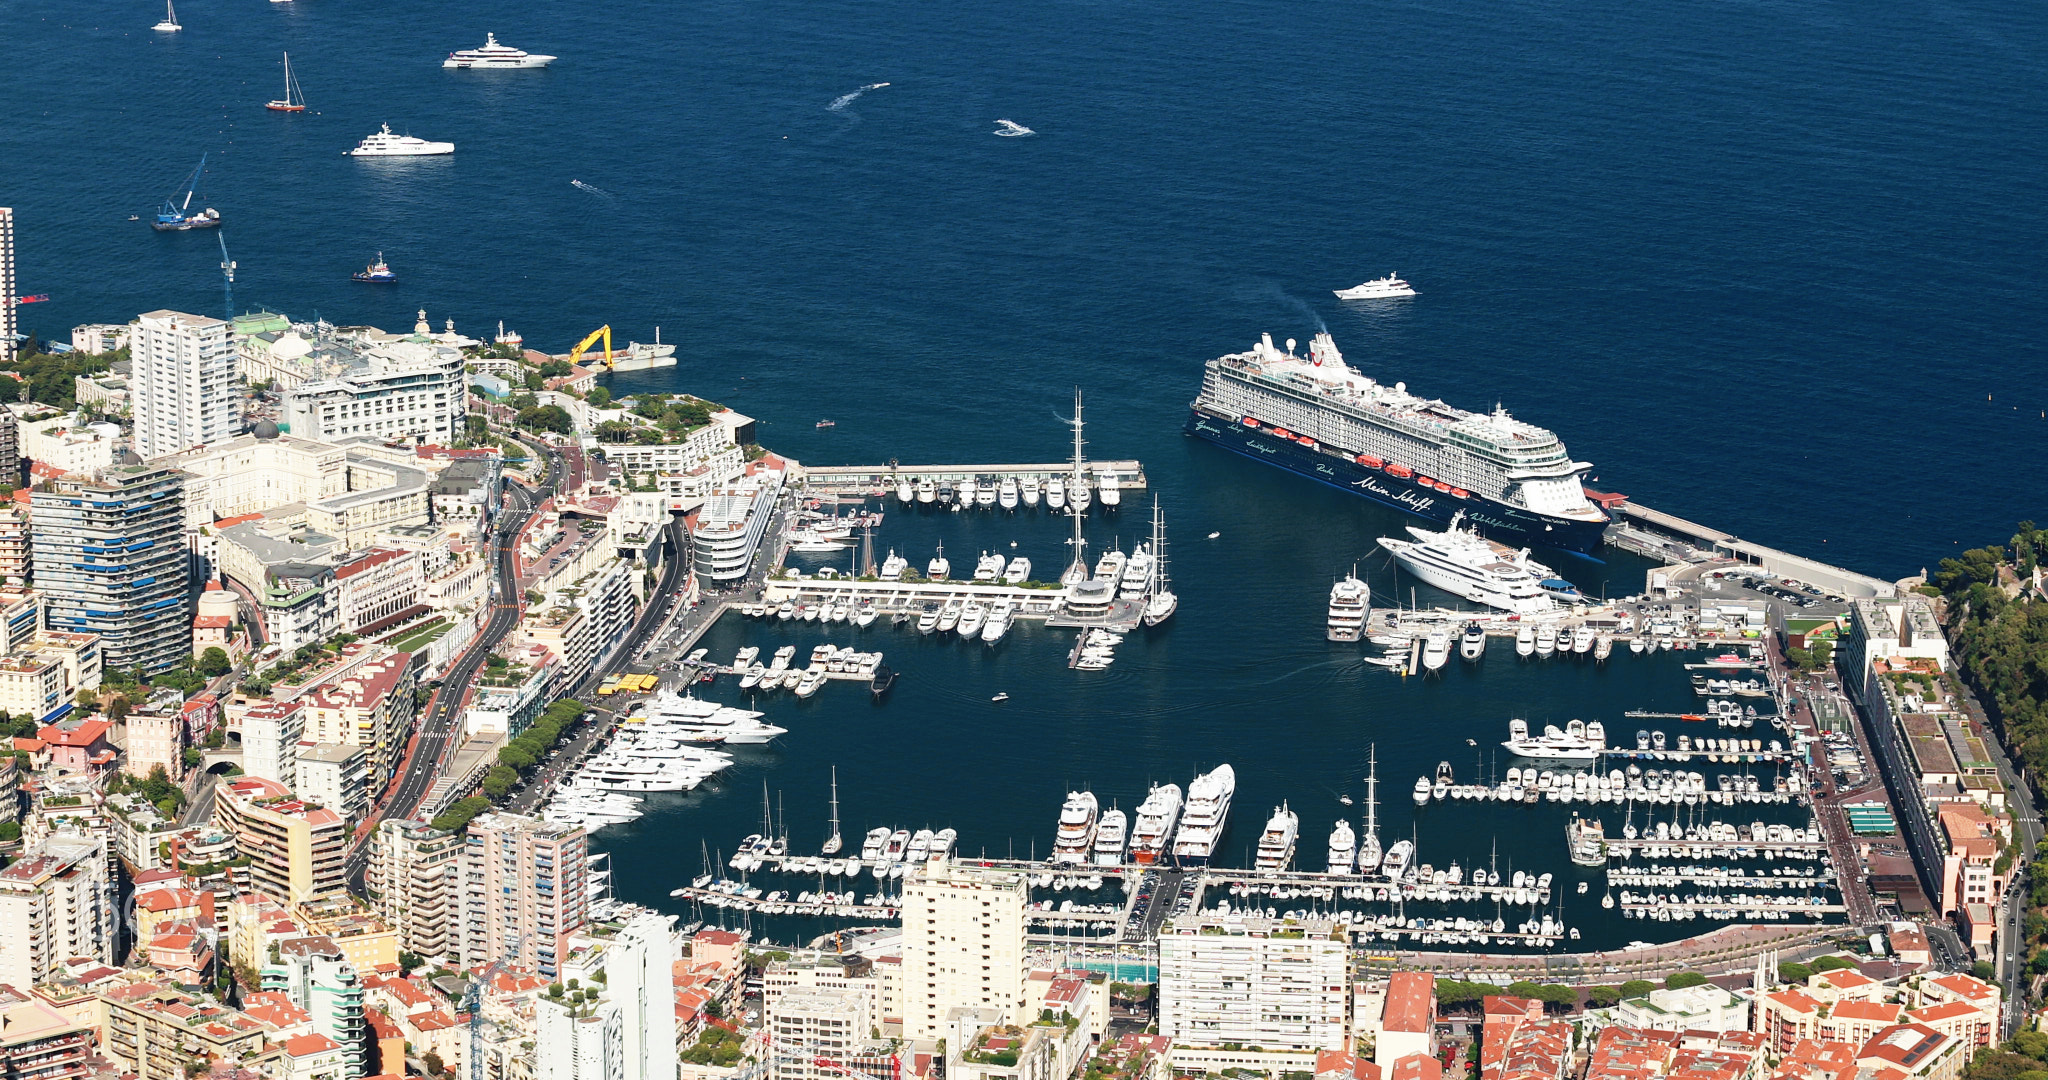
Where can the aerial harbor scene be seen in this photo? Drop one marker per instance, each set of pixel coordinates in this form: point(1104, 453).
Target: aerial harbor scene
point(537, 511)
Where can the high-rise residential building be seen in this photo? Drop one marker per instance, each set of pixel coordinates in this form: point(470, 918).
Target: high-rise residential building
point(183, 382)
point(56, 902)
point(296, 851)
point(110, 560)
point(1229, 982)
point(271, 733)
point(524, 891)
point(579, 1039)
point(316, 975)
point(6, 284)
point(14, 535)
point(963, 943)
point(640, 975)
point(413, 882)
point(334, 775)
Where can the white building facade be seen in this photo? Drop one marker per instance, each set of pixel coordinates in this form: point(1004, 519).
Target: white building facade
point(403, 390)
point(1279, 985)
point(963, 944)
point(183, 381)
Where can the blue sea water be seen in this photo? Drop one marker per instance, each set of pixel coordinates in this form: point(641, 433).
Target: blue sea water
point(1772, 265)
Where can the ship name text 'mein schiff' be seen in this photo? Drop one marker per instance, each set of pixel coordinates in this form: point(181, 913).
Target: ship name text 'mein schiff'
point(1316, 416)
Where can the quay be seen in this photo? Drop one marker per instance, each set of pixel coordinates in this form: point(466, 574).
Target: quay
point(876, 480)
point(1618, 848)
point(909, 597)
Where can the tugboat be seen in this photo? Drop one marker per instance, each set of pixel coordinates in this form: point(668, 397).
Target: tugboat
point(377, 273)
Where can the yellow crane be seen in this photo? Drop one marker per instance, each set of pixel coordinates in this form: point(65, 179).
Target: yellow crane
point(605, 332)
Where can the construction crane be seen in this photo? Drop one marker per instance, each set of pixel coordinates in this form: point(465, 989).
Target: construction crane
point(227, 274)
point(473, 1000)
point(605, 332)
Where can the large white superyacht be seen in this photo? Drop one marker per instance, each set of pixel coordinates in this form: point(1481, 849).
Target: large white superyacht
point(1110, 835)
point(1276, 844)
point(1153, 828)
point(1461, 561)
point(1579, 741)
point(1076, 834)
point(1207, 811)
point(494, 55)
point(1348, 601)
point(694, 720)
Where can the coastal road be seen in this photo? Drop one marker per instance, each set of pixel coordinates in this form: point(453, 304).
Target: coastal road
point(439, 730)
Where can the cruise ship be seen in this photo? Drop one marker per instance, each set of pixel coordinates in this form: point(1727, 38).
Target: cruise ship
point(1467, 564)
point(494, 55)
point(1579, 741)
point(1348, 600)
point(1207, 811)
point(384, 144)
point(1276, 844)
point(1076, 836)
point(1316, 416)
point(1110, 835)
point(1154, 824)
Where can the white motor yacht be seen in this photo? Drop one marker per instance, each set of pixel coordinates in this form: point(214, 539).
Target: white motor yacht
point(1110, 836)
point(972, 618)
point(1056, 493)
point(494, 55)
point(949, 616)
point(1076, 834)
point(1156, 818)
point(1578, 741)
point(1006, 495)
point(1377, 288)
point(1018, 572)
point(1107, 488)
point(989, 567)
point(1436, 649)
point(1276, 844)
point(809, 684)
point(1343, 848)
point(385, 144)
point(1030, 492)
point(1000, 616)
point(893, 567)
point(1460, 561)
point(938, 568)
point(985, 492)
point(926, 491)
point(905, 491)
point(1348, 601)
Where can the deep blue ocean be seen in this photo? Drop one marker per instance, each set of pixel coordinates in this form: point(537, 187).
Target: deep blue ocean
point(1774, 266)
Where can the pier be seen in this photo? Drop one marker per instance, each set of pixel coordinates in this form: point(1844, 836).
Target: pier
point(897, 597)
point(876, 480)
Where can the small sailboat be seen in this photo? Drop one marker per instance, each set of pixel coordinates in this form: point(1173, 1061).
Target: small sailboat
point(170, 23)
point(294, 99)
point(377, 273)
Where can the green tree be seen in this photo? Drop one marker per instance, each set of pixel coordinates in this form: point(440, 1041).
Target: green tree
point(1683, 979)
point(1983, 970)
point(458, 816)
point(1791, 972)
point(117, 708)
point(1833, 963)
point(433, 1063)
point(1603, 997)
point(500, 781)
point(1635, 988)
point(598, 397)
point(214, 662)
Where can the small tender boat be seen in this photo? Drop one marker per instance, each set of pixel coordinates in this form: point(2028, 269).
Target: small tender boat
point(827, 423)
point(1001, 697)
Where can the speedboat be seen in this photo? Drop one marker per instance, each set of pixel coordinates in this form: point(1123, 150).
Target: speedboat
point(1472, 644)
point(1377, 288)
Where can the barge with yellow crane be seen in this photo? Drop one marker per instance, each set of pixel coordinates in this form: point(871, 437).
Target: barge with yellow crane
point(634, 357)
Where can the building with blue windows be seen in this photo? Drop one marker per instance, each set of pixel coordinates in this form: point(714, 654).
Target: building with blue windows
point(110, 560)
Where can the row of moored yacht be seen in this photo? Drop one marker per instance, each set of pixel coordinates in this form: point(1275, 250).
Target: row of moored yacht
point(1007, 492)
point(826, 661)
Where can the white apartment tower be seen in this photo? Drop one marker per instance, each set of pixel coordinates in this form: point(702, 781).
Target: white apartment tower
point(56, 902)
point(579, 1040)
point(1280, 985)
point(183, 382)
point(816, 1034)
point(7, 330)
point(963, 943)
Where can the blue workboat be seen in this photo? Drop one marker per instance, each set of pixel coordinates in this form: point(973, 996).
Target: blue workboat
point(377, 273)
point(177, 215)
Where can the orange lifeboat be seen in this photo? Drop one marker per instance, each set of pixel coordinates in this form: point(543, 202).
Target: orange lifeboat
point(1283, 433)
point(1460, 493)
point(1305, 440)
point(1369, 461)
point(1249, 422)
point(1425, 481)
point(1402, 471)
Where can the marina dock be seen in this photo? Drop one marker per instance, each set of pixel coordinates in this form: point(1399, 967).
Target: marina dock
point(875, 480)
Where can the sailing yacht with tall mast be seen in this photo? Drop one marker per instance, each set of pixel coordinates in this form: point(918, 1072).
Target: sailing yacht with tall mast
point(294, 99)
point(833, 843)
point(170, 23)
point(1077, 571)
point(1369, 842)
point(1160, 606)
